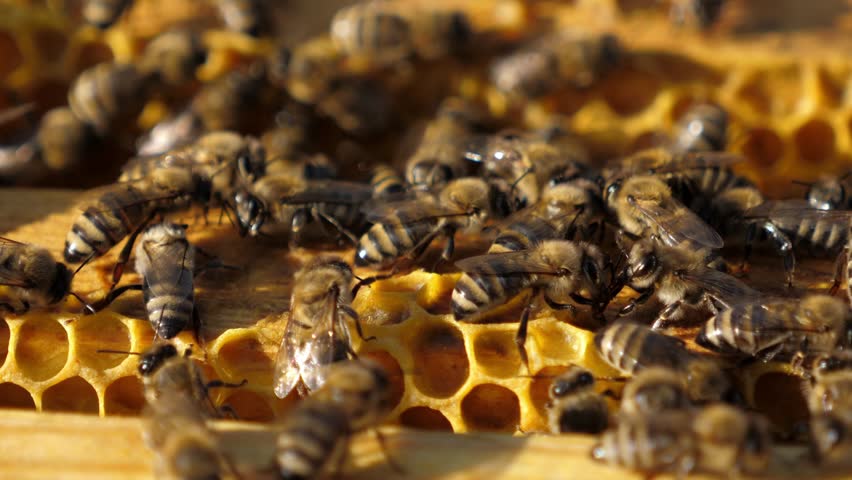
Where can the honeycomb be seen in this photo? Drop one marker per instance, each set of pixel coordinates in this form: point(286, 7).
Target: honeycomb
point(792, 119)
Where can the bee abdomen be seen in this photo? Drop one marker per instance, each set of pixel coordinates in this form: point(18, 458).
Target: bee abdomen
point(169, 314)
point(309, 439)
point(621, 345)
point(388, 240)
point(731, 330)
point(475, 293)
point(650, 444)
point(586, 412)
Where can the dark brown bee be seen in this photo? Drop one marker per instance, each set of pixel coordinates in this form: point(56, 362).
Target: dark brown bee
point(655, 390)
point(30, 277)
point(703, 128)
point(231, 102)
point(317, 334)
point(779, 329)
point(355, 397)
point(562, 58)
point(173, 57)
point(359, 106)
point(559, 269)
point(407, 228)
point(831, 388)
point(306, 70)
point(570, 164)
point(109, 95)
point(631, 348)
point(680, 277)
point(386, 183)
point(574, 404)
point(103, 13)
point(243, 16)
point(831, 192)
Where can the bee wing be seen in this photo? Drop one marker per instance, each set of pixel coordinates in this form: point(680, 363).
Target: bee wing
point(330, 191)
point(143, 193)
point(505, 263)
point(412, 211)
point(722, 285)
point(792, 212)
point(290, 354)
point(678, 224)
point(693, 160)
point(9, 277)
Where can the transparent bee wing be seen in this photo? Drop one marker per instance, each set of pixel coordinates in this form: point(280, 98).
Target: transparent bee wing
point(8, 276)
point(720, 284)
point(424, 209)
point(661, 350)
point(331, 192)
point(172, 265)
point(677, 224)
point(291, 353)
point(506, 263)
point(331, 342)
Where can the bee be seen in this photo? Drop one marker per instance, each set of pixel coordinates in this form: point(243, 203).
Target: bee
point(702, 13)
point(385, 34)
point(231, 102)
point(831, 444)
point(558, 269)
point(259, 203)
point(440, 155)
point(645, 207)
point(831, 388)
point(30, 277)
point(109, 95)
point(386, 183)
point(731, 442)
point(243, 16)
point(171, 133)
point(654, 390)
point(63, 140)
point(680, 277)
point(103, 13)
point(407, 228)
point(355, 396)
point(307, 70)
point(704, 128)
point(789, 223)
point(631, 348)
point(778, 329)
point(650, 444)
point(327, 202)
point(569, 164)
point(359, 106)
point(562, 58)
point(562, 210)
point(173, 57)
point(724, 212)
point(830, 192)
point(317, 334)
point(574, 404)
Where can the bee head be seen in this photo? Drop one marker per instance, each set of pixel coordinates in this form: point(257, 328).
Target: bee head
point(154, 358)
point(826, 194)
point(574, 380)
point(61, 283)
point(251, 212)
point(643, 264)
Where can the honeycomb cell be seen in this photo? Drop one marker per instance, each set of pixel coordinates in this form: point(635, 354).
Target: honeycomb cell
point(440, 360)
point(101, 332)
point(384, 308)
point(491, 407)
point(763, 147)
point(630, 90)
point(540, 386)
point(395, 373)
point(124, 397)
point(50, 44)
point(780, 397)
point(42, 348)
point(244, 358)
point(71, 395)
point(425, 418)
point(4, 341)
point(10, 53)
point(496, 353)
point(753, 95)
point(15, 396)
point(249, 406)
point(815, 141)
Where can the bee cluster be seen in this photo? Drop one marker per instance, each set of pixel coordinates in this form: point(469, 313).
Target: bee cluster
point(302, 148)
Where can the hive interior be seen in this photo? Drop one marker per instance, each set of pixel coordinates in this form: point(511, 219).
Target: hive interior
point(791, 118)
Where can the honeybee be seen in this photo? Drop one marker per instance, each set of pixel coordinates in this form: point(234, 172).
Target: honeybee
point(332, 202)
point(306, 70)
point(259, 203)
point(165, 373)
point(831, 444)
point(359, 106)
point(831, 192)
point(574, 404)
point(559, 269)
point(654, 390)
point(832, 383)
point(793, 222)
point(440, 154)
point(702, 13)
point(109, 95)
point(231, 102)
point(407, 228)
point(569, 164)
point(731, 442)
point(778, 329)
point(317, 334)
point(724, 212)
point(562, 210)
point(243, 16)
point(169, 134)
point(385, 33)
point(173, 57)
point(703, 128)
point(650, 444)
point(561, 58)
point(631, 348)
point(355, 396)
point(680, 277)
point(103, 13)
point(30, 277)
point(645, 207)
point(386, 183)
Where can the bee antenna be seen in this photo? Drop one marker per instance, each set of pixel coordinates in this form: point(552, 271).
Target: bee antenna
point(86, 304)
point(86, 261)
point(107, 350)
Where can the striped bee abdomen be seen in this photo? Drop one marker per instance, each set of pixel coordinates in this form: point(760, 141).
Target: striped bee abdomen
point(312, 436)
point(475, 293)
point(390, 239)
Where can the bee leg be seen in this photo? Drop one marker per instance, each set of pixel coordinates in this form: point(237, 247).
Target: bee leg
point(450, 247)
point(354, 316)
point(565, 306)
point(11, 309)
point(641, 299)
point(423, 244)
point(112, 295)
point(337, 225)
point(297, 225)
point(521, 334)
point(362, 282)
point(665, 317)
point(767, 354)
point(383, 444)
point(839, 267)
point(221, 384)
point(784, 247)
point(124, 256)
